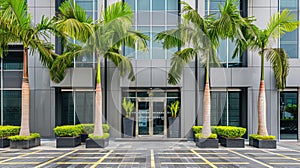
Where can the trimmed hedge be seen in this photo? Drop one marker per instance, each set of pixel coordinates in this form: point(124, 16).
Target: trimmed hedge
point(230, 131)
point(211, 136)
point(198, 129)
point(260, 137)
point(89, 128)
point(105, 136)
point(23, 138)
point(6, 131)
point(67, 130)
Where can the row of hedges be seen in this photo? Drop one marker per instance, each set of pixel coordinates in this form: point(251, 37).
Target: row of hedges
point(6, 131)
point(75, 130)
point(223, 131)
point(22, 138)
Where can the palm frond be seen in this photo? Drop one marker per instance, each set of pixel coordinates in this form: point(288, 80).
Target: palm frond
point(279, 61)
point(178, 61)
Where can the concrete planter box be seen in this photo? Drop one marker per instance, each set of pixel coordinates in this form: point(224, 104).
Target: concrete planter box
point(4, 142)
point(83, 137)
point(25, 144)
point(250, 141)
point(174, 126)
point(67, 142)
point(269, 144)
point(96, 143)
point(232, 142)
point(128, 124)
point(207, 143)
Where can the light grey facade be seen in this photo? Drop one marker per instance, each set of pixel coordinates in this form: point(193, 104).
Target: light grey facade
point(46, 103)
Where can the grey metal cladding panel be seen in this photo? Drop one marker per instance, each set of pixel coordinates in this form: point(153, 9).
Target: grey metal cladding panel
point(220, 77)
point(113, 114)
point(189, 79)
point(293, 79)
point(12, 79)
point(260, 3)
point(274, 112)
point(158, 18)
point(159, 63)
point(187, 112)
point(41, 78)
point(143, 77)
point(83, 77)
point(66, 82)
point(41, 114)
point(244, 77)
point(143, 63)
point(114, 78)
point(159, 77)
point(294, 63)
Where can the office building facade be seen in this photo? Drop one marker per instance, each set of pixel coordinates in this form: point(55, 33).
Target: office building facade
point(234, 85)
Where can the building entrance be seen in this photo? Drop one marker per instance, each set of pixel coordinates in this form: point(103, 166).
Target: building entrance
point(151, 117)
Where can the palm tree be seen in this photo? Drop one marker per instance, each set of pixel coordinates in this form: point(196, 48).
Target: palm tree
point(105, 37)
point(16, 26)
point(204, 35)
point(278, 25)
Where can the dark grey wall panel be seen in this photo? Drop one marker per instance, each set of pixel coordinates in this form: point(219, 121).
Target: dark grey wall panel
point(13, 79)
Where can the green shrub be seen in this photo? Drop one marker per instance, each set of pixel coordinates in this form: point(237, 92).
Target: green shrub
point(6, 131)
point(260, 137)
point(89, 128)
point(23, 138)
point(105, 136)
point(198, 129)
point(230, 131)
point(67, 130)
point(211, 136)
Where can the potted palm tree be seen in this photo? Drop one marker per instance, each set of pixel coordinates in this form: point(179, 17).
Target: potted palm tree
point(174, 122)
point(128, 121)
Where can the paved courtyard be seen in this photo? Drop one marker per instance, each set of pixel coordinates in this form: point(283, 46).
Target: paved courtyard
point(151, 154)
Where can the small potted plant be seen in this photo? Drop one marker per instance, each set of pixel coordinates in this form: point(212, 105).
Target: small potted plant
point(174, 124)
point(231, 136)
point(87, 129)
point(128, 121)
point(198, 129)
point(25, 142)
point(67, 136)
point(97, 141)
point(5, 132)
point(260, 141)
point(210, 141)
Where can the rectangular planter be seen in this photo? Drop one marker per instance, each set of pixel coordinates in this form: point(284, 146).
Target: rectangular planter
point(128, 125)
point(207, 143)
point(173, 129)
point(20, 144)
point(270, 144)
point(4, 142)
point(34, 142)
point(250, 141)
point(67, 142)
point(96, 143)
point(232, 142)
point(83, 137)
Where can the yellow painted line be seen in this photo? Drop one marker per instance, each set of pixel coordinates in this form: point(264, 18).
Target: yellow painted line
point(121, 163)
point(193, 157)
point(100, 160)
point(284, 163)
point(54, 159)
point(254, 160)
point(175, 163)
point(152, 159)
point(107, 153)
point(19, 163)
point(11, 158)
point(284, 156)
point(205, 160)
point(205, 153)
point(108, 163)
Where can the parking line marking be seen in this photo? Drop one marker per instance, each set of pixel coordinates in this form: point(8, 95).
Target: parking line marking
point(193, 157)
point(270, 157)
point(60, 163)
point(101, 159)
point(11, 158)
point(236, 163)
point(54, 159)
point(205, 160)
point(152, 159)
point(254, 160)
point(285, 163)
point(201, 153)
point(189, 163)
point(284, 156)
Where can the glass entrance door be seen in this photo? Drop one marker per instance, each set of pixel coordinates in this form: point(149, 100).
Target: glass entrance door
point(151, 117)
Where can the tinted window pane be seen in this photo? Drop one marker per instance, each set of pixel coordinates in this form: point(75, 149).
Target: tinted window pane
point(84, 107)
point(67, 115)
point(143, 4)
point(12, 107)
point(131, 3)
point(172, 4)
point(158, 5)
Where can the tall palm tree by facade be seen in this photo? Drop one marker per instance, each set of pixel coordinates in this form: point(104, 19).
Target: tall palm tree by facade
point(104, 37)
point(279, 24)
point(204, 35)
point(16, 26)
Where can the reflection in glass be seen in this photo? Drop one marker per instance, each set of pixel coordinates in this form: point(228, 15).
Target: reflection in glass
point(143, 118)
point(158, 118)
point(12, 107)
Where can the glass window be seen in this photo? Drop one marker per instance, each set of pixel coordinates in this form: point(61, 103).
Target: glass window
point(157, 48)
point(12, 107)
point(288, 115)
point(289, 41)
point(14, 58)
point(172, 5)
point(84, 107)
point(143, 5)
point(158, 4)
point(131, 3)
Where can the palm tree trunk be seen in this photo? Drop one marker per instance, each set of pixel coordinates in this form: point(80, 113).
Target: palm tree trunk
point(262, 122)
point(25, 131)
point(98, 130)
point(206, 130)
